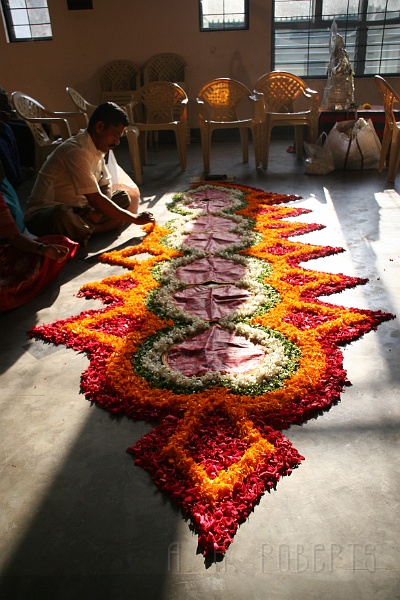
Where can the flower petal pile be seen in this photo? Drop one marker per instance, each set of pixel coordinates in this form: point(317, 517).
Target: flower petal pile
point(218, 444)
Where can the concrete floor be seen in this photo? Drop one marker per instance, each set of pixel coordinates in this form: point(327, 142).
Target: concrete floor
point(80, 520)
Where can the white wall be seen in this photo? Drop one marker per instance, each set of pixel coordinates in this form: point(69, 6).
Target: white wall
point(85, 40)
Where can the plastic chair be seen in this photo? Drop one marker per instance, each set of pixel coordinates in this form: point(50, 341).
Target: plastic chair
point(287, 102)
point(118, 81)
point(81, 104)
point(219, 102)
point(132, 133)
point(168, 66)
point(162, 105)
point(48, 128)
point(391, 133)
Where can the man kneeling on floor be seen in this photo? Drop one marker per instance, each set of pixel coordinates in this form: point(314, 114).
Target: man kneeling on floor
point(73, 193)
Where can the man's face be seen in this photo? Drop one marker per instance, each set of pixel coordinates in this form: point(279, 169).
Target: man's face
point(107, 138)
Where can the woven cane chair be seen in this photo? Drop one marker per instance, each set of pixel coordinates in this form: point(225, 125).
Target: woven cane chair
point(219, 103)
point(162, 105)
point(391, 133)
point(48, 128)
point(287, 102)
point(118, 81)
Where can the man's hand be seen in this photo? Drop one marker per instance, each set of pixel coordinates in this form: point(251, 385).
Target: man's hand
point(144, 218)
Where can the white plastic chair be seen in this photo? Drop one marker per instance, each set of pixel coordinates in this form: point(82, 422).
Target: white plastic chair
point(131, 132)
point(48, 128)
point(160, 106)
point(81, 104)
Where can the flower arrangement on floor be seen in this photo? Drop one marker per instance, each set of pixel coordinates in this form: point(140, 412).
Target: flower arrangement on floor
point(220, 337)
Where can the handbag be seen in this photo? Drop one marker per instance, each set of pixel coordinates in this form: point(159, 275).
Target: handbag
point(354, 144)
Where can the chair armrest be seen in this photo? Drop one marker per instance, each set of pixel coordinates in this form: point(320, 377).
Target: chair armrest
point(311, 93)
point(131, 129)
point(184, 104)
point(78, 116)
point(202, 109)
point(62, 124)
point(259, 106)
point(256, 95)
point(129, 108)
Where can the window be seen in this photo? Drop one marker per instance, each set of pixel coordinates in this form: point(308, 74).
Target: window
point(223, 15)
point(27, 20)
point(370, 29)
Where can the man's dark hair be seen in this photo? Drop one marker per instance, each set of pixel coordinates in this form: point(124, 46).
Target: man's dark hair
point(110, 114)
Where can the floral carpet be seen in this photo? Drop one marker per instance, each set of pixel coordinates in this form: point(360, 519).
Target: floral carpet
point(215, 333)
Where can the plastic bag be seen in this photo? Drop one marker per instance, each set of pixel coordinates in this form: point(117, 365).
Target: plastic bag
point(113, 167)
point(319, 159)
point(354, 145)
point(120, 181)
point(339, 89)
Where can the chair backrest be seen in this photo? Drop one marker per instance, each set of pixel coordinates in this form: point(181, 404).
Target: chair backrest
point(389, 96)
point(28, 108)
point(162, 101)
point(118, 80)
point(83, 105)
point(222, 97)
point(166, 66)
point(280, 90)
point(119, 75)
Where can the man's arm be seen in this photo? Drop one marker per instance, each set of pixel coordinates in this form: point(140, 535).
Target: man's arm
point(101, 203)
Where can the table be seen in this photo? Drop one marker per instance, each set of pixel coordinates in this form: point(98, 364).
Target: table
point(327, 118)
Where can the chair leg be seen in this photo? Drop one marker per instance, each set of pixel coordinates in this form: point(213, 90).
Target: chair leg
point(266, 143)
point(299, 136)
point(180, 135)
point(244, 139)
point(256, 134)
point(394, 161)
point(134, 153)
point(386, 140)
point(205, 135)
point(143, 147)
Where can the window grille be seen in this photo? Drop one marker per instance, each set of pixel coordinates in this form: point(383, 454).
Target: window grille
point(370, 29)
point(27, 20)
point(223, 15)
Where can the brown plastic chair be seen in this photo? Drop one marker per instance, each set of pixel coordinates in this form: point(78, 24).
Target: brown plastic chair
point(287, 102)
point(48, 128)
point(219, 103)
point(118, 81)
point(162, 106)
point(391, 133)
point(168, 66)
